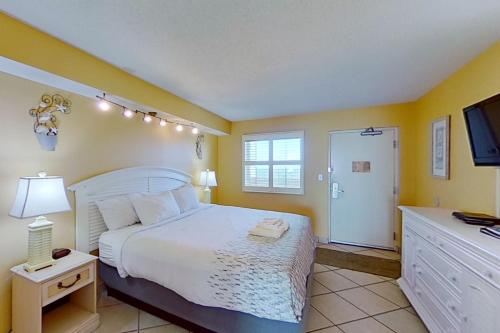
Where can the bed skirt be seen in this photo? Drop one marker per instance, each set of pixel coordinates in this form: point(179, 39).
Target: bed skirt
point(170, 306)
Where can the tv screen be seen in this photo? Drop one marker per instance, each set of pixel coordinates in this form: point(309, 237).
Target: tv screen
point(483, 126)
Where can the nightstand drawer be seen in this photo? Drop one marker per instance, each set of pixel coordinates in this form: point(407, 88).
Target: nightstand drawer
point(66, 284)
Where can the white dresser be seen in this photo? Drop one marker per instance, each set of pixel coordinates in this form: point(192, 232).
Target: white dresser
point(450, 272)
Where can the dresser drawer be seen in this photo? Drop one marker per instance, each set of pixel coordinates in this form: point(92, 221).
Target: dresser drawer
point(435, 308)
point(66, 284)
point(446, 267)
point(471, 260)
point(445, 297)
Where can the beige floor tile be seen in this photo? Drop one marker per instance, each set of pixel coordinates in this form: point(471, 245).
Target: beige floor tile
point(333, 329)
point(351, 248)
point(360, 278)
point(391, 292)
point(106, 300)
point(334, 281)
point(402, 321)
point(317, 320)
point(367, 301)
point(147, 320)
point(367, 325)
point(118, 318)
point(319, 289)
point(394, 282)
point(372, 253)
point(336, 309)
point(165, 329)
point(320, 268)
point(332, 268)
point(389, 254)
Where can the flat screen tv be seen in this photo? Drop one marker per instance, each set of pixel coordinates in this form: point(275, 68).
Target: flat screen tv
point(483, 126)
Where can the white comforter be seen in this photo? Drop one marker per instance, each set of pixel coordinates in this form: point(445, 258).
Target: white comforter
point(207, 257)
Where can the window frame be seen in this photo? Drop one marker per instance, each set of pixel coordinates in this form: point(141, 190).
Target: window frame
point(271, 137)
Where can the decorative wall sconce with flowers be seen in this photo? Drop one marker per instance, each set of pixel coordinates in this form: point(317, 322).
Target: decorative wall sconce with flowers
point(45, 126)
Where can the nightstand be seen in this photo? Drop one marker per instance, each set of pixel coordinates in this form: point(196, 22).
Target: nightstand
point(60, 298)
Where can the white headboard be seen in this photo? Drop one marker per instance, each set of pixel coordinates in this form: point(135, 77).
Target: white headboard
point(89, 222)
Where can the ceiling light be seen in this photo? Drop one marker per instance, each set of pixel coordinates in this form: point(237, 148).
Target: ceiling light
point(163, 123)
point(104, 105)
point(127, 113)
point(147, 118)
point(195, 130)
point(179, 128)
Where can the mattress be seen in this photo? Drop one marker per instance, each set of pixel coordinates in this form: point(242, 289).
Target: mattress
point(208, 257)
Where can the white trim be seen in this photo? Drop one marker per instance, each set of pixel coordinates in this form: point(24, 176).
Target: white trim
point(270, 137)
point(396, 177)
point(89, 222)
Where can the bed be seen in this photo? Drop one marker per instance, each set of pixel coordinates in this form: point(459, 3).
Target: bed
point(200, 270)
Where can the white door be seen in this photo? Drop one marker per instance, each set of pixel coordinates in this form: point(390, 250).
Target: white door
point(363, 187)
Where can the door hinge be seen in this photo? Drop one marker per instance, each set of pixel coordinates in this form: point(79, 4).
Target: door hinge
point(395, 144)
point(393, 235)
point(394, 190)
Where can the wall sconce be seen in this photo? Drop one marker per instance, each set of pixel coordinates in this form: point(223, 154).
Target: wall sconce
point(45, 126)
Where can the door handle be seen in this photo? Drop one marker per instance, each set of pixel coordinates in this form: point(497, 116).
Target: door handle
point(336, 190)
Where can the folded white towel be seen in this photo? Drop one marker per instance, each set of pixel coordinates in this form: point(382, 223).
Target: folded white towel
point(257, 231)
point(270, 227)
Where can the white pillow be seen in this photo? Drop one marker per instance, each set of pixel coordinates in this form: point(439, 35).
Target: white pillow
point(117, 212)
point(186, 197)
point(152, 208)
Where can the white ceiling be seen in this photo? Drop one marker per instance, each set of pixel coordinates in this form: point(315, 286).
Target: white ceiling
point(247, 59)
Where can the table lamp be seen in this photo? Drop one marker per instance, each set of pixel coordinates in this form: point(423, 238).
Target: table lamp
point(207, 179)
point(37, 196)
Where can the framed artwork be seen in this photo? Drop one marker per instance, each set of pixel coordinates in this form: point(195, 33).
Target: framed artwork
point(440, 165)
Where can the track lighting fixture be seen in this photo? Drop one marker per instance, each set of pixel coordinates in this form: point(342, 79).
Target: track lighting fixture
point(127, 113)
point(147, 117)
point(104, 105)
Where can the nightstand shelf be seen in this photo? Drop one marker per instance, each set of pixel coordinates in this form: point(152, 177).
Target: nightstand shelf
point(58, 299)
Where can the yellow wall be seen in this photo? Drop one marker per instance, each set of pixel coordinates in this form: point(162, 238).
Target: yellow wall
point(470, 188)
point(316, 126)
point(90, 142)
point(30, 46)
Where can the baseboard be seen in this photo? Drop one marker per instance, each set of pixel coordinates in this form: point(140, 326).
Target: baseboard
point(322, 239)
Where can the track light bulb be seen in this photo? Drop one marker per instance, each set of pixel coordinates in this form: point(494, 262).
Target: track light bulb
point(195, 130)
point(179, 128)
point(104, 105)
point(147, 118)
point(163, 123)
point(127, 113)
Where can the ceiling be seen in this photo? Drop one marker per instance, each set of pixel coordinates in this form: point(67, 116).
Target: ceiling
point(249, 59)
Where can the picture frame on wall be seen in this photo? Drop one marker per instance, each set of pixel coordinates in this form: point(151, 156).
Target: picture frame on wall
point(440, 165)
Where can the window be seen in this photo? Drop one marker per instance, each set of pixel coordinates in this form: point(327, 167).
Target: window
point(273, 162)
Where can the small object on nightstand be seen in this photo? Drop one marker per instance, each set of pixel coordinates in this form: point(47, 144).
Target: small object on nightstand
point(60, 253)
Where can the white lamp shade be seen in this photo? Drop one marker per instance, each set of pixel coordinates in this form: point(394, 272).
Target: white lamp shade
point(207, 178)
point(39, 196)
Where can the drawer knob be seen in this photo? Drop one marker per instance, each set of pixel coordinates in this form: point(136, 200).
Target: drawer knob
point(489, 275)
point(60, 285)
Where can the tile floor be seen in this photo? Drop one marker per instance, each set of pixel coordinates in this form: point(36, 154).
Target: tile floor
point(362, 250)
point(343, 301)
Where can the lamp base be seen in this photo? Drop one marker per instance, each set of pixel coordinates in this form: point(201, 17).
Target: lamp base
point(207, 194)
point(39, 245)
point(33, 268)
